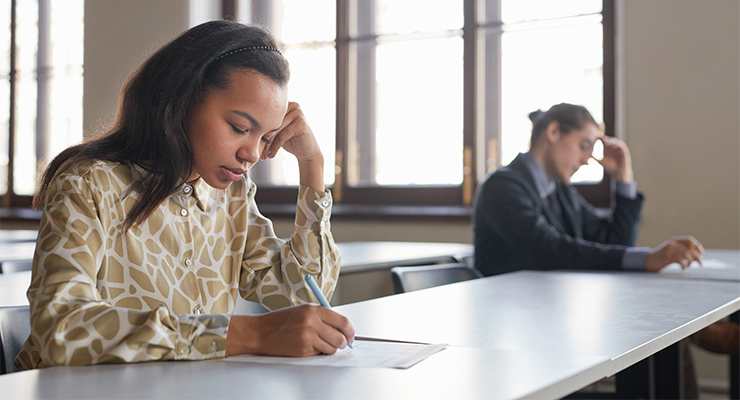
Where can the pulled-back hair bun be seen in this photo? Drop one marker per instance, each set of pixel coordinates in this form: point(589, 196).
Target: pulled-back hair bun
point(568, 116)
point(535, 116)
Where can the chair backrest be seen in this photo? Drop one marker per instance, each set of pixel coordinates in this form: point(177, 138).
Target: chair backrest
point(15, 326)
point(7, 267)
point(408, 279)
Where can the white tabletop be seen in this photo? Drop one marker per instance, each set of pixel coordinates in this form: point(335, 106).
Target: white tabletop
point(623, 316)
point(17, 235)
point(454, 373)
point(519, 335)
point(16, 251)
point(13, 288)
point(364, 256)
point(356, 256)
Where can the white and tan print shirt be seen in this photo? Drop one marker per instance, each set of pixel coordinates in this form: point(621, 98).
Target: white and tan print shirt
point(166, 289)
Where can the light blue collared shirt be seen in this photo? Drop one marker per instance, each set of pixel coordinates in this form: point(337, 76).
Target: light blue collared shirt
point(634, 257)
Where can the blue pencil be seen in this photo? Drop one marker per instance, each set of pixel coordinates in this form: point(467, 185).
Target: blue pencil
point(319, 295)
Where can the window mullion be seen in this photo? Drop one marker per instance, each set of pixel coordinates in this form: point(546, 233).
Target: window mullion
point(491, 146)
point(363, 144)
point(13, 88)
point(43, 76)
point(473, 95)
point(346, 90)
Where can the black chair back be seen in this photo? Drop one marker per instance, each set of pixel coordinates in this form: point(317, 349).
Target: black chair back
point(408, 279)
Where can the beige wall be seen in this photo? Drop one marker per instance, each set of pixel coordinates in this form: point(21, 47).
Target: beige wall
point(118, 36)
point(681, 116)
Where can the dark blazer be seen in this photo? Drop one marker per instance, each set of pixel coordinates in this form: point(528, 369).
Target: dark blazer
point(514, 230)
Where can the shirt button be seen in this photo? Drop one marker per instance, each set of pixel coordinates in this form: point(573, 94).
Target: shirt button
point(187, 189)
point(213, 348)
point(183, 212)
point(185, 351)
point(188, 262)
point(325, 203)
point(196, 312)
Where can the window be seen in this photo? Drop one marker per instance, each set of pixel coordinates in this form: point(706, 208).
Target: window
point(40, 90)
point(414, 101)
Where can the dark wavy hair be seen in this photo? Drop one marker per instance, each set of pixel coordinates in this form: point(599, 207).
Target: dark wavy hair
point(569, 117)
point(155, 103)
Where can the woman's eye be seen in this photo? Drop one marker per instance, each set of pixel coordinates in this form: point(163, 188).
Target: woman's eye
point(266, 140)
point(237, 130)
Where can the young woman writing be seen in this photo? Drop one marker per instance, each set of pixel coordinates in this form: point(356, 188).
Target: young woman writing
point(150, 231)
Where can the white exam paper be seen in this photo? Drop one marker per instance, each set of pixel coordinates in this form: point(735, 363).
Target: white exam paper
point(709, 269)
point(366, 353)
point(709, 263)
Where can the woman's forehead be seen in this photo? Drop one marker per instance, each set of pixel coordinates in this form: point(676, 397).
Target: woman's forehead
point(590, 132)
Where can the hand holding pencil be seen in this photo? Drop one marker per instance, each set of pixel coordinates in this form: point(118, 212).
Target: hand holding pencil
point(300, 331)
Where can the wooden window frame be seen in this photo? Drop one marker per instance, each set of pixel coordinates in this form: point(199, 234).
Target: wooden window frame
point(480, 127)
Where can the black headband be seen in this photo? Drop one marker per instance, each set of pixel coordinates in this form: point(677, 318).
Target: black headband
point(250, 48)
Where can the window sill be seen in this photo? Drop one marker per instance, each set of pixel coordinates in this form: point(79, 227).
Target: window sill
point(378, 212)
point(339, 212)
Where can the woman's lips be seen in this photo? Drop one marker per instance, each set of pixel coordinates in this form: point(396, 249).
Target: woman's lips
point(233, 174)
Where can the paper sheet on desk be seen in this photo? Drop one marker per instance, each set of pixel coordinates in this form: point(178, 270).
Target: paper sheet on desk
point(366, 353)
point(709, 263)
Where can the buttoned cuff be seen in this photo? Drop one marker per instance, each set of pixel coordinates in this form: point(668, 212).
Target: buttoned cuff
point(200, 337)
point(318, 204)
point(634, 258)
point(627, 189)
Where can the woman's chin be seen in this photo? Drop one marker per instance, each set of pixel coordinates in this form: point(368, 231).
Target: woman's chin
point(218, 183)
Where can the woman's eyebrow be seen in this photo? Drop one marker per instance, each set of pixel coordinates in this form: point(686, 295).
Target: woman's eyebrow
point(249, 117)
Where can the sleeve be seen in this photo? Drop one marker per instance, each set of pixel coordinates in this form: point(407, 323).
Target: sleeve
point(635, 258)
point(621, 227)
point(70, 323)
point(519, 220)
point(273, 269)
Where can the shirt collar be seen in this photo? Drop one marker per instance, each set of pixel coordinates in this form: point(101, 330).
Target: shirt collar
point(200, 192)
point(545, 186)
point(200, 188)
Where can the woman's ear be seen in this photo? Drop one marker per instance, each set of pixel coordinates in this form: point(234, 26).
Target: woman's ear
point(552, 132)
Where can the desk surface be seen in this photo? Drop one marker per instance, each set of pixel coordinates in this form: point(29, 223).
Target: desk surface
point(364, 256)
point(17, 235)
point(477, 373)
point(16, 251)
point(356, 256)
point(13, 288)
point(623, 316)
point(519, 335)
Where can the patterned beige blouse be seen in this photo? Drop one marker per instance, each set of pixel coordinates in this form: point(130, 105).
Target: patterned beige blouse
point(165, 289)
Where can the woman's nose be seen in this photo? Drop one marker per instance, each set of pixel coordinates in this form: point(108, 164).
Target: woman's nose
point(249, 151)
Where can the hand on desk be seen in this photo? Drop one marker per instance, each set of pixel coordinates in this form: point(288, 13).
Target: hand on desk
point(680, 249)
point(299, 331)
